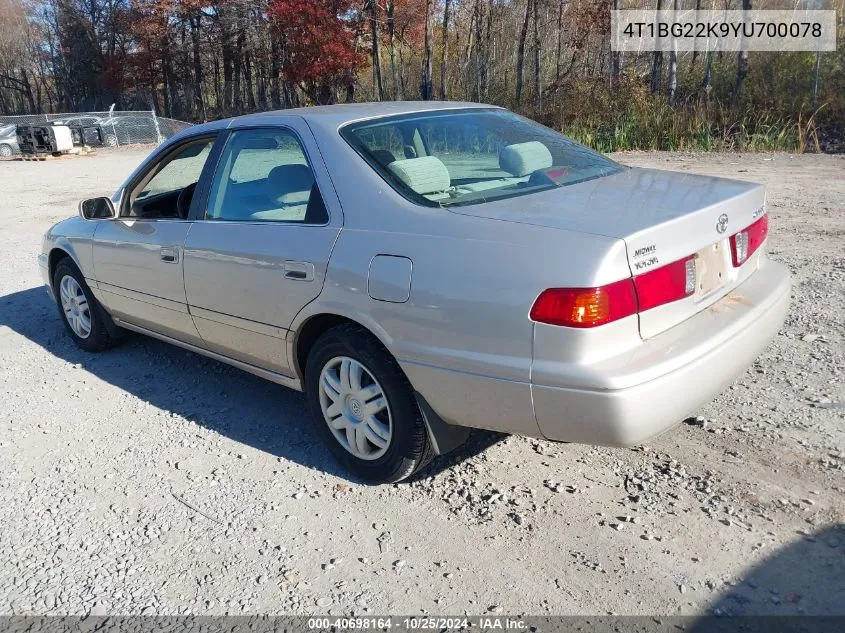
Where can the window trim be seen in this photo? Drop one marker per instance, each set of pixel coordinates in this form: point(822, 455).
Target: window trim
point(166, 156)
point(225, 139)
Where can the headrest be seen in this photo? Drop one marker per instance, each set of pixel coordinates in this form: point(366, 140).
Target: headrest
point(423, 175)
point(289, 184)
point(383, 156)
point(521, 159)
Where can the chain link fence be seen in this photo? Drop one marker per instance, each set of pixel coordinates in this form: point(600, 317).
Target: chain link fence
point(100, 129)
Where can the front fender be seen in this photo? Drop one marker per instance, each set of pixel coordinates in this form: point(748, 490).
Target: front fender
point(74, 237)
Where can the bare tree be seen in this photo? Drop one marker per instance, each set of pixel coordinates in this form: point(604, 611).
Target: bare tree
point(372, 11)
point(391, 34)
point(614, 55)
point(673, 65)
point(741, 64)
point(478, 61)
point(520, 53)
point(426, 91)
point(444, 57)
point(538, 86)
point(657, 62)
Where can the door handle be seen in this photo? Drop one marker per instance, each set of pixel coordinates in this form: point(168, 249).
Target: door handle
point(299, 271)
point(170, 254)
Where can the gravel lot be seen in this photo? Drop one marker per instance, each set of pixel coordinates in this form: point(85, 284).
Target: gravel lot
point(152, 480)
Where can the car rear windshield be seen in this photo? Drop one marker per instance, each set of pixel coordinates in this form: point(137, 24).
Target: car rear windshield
point(463, 157)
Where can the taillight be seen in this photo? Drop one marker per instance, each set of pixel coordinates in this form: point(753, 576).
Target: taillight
point(590, 307)
point(747, 241)
point(666, 284)
point(585, 307)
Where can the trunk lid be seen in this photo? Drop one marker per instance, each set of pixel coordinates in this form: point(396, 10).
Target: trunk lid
point(662, 217)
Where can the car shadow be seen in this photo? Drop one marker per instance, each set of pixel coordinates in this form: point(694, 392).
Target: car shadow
point(221, 398)
point(804, 578)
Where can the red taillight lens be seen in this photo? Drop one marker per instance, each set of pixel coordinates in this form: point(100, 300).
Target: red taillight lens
point(585, 307)
point(747, 241)
point(590, 307)
point(666, 284)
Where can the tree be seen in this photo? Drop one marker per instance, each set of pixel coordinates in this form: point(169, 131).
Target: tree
point(426, 88)
point(319, 46)
point(17, 76)
point(391, 33)
point(673, 65)
point(657, 61)
point(741, 63)
point(520, 53)
point(444, 56)
point(538, 86)
point(372, 11)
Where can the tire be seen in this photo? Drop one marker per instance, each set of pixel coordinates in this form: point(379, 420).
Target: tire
point(97, 337)
point(6, 150)
point(110, 140)
point(407, 449)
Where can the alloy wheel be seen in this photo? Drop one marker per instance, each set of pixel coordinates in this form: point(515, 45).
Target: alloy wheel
point(75, 306)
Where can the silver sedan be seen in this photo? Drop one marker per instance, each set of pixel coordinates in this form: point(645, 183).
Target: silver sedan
point(420, 269)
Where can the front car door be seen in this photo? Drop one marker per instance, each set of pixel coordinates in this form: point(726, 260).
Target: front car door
point(138, 254)
point(259, 251)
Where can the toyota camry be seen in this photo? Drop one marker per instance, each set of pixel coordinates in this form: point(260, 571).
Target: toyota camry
point(420, 269)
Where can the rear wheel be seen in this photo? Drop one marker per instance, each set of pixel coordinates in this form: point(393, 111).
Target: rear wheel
point(110, 140)
point(79, 309)
point(364, 407)
point(6, 150)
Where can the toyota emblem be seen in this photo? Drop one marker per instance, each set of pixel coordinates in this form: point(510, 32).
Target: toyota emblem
point(722, 223)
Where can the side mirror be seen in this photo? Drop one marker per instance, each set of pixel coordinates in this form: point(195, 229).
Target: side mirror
point(96, 208)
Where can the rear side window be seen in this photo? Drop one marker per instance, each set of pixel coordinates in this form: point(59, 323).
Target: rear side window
point(264, 176)
point(463, 157)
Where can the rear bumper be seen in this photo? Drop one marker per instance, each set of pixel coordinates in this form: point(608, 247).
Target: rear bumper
point(688, 365)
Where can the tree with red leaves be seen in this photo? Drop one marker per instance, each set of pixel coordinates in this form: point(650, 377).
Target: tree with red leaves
point(318, 44)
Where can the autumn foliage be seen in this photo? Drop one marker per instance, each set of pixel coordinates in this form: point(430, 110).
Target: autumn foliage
point(550, 59)
point(318, 42)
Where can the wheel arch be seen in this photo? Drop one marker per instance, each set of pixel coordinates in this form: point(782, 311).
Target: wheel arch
point(58, 253)
point(314, 326)
point(443, 436)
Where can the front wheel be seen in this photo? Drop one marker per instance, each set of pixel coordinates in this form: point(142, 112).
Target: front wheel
point(364, 407)
point(6, 150)
point(79, 309)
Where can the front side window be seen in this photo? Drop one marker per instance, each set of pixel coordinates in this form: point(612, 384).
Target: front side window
point(167, 188)
point(264, 176)
point(463, 157)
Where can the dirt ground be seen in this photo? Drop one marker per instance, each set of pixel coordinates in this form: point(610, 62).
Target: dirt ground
point(151, 480)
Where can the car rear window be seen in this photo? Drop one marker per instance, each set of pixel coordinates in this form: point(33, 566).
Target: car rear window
point(464, 157)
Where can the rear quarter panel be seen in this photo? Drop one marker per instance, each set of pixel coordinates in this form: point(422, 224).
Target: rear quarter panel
point(463, 336)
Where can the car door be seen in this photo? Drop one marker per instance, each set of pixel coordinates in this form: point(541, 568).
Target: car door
point(138, 255)
point(259, 251)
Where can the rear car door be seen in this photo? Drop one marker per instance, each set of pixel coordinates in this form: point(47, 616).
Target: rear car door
point(259, 249)
point(138, 254)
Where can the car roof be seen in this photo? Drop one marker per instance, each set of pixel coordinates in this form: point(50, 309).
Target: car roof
point(335, 116)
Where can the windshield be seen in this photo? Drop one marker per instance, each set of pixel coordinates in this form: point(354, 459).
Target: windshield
point(462, 157)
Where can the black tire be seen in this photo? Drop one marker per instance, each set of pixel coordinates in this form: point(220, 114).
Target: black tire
point(409, 449)
point(99, 338)
point(6, 150)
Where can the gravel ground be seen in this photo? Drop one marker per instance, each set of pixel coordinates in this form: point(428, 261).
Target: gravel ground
point(152, 480)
